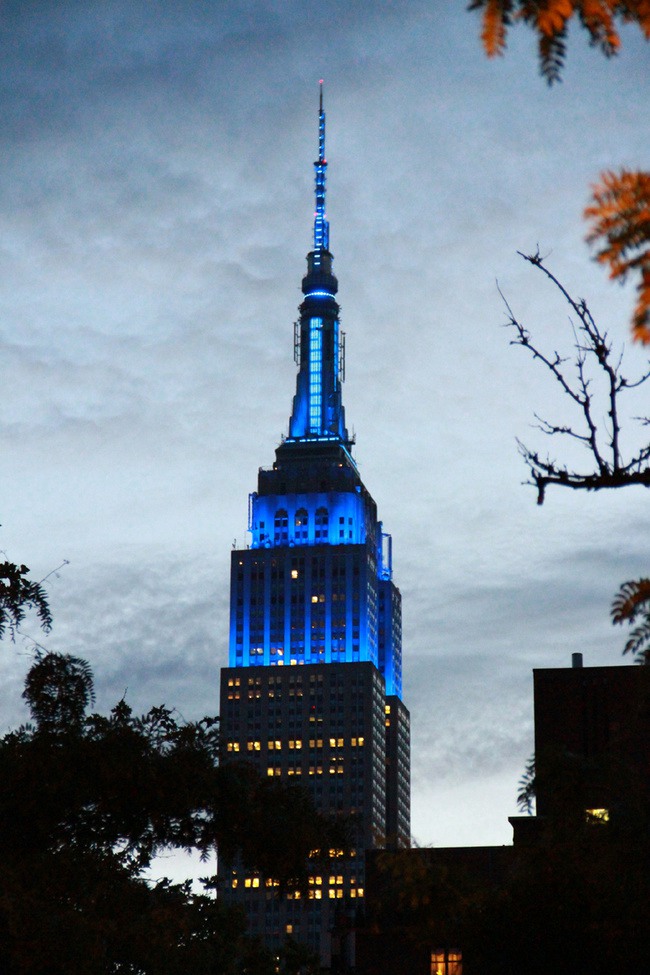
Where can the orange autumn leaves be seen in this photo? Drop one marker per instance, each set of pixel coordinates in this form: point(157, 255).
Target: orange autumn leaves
point(550, 18)
point(619, 210)
point(620, 217)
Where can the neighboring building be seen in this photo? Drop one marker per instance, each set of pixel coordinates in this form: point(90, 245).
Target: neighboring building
point(313, 691)
point(416, 903)
point(575, 880)
point(591, 740)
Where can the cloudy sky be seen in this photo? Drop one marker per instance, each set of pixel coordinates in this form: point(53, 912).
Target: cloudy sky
point(155, 212)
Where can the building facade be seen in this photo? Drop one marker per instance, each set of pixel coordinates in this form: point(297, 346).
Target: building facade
point(591, 742)
point(313, 690)
point(572, 894)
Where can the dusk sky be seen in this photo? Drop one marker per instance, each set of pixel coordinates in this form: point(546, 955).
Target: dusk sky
point(156, 206)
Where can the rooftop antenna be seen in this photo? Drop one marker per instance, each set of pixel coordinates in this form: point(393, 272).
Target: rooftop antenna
point(321, 225)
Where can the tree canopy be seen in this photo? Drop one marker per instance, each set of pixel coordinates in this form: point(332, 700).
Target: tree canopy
point(87, 801)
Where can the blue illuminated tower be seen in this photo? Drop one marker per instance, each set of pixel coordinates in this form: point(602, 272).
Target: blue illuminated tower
point(314, 684)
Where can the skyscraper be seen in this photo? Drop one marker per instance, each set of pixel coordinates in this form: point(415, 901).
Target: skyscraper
point(313, 690)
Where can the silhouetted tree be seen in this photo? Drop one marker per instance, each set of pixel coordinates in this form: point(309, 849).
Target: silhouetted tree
point(19, 593)
point(527, 787)
point(86, 803)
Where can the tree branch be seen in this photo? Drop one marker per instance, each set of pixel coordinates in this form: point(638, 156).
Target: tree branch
point(592, 359)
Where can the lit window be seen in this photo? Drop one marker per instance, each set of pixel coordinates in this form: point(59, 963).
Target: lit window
point(597, 815)
point(446, 963)
point(294, 573)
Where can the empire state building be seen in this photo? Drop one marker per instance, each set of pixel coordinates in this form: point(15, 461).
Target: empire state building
point(313, 690)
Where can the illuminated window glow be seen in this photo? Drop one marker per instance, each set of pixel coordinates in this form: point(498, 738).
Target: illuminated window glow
point(597, 815)
point(446, 963)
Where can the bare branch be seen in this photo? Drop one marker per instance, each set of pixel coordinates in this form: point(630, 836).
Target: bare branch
point(593, 359)
point(550, 429)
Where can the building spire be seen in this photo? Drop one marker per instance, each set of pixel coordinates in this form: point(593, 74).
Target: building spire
point(321, 225)
point(318, 413)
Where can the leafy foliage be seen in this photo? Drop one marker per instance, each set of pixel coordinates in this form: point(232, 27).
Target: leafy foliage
point(593, 359)
point(18, 593)
point(620, 213)
point(527, 788)
point(632, 602)
point(549, 19)
point(620, 205)
point(58, 689)
point(86, 803)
